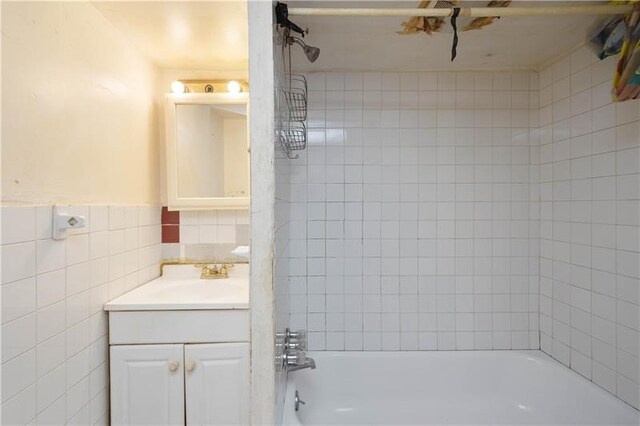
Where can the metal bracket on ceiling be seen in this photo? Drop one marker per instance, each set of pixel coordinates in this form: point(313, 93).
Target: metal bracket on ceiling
point(282, 19)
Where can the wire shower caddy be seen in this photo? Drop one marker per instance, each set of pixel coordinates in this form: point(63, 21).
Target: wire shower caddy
point(292, 133)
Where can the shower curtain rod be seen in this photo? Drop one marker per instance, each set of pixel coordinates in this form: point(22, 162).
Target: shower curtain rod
point(466, 11)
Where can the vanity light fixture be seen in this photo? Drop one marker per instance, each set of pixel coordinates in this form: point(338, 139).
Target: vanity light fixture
point(209, 86)
point(234, 87)
point(177, 87)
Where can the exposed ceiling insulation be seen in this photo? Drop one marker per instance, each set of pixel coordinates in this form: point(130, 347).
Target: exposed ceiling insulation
point(373, 43)
point(429, 25)
point(214, 35)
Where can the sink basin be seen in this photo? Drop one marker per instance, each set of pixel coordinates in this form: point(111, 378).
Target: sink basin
point(180, 288)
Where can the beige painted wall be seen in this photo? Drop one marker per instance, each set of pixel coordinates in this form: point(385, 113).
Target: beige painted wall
point(79, 109)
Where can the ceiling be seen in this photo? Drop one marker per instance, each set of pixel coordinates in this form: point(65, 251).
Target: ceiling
point(357, 43)
point(213, 35)
point(198, 35)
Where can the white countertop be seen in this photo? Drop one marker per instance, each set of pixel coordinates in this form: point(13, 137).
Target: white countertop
point(180, 288)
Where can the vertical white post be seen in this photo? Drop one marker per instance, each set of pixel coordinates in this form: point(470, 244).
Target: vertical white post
point(261, 136)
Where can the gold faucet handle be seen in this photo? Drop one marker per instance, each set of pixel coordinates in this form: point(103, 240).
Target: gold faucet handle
point(224, 268)
point(205, 268)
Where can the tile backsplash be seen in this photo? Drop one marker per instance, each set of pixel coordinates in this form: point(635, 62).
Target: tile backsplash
point(204, 234)
point(54, 331)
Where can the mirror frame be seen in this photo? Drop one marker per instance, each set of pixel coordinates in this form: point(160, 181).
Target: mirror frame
point(174, 201)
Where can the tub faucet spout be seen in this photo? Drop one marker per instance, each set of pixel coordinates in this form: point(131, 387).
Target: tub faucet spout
point(309, 363)
point(299, 361)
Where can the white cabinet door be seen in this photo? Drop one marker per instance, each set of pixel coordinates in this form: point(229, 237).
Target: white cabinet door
point(147, 385)
point(217, 383)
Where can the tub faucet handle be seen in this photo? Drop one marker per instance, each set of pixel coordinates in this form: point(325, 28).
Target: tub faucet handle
point(298, 360)
point(296, 340)
point(298, 334)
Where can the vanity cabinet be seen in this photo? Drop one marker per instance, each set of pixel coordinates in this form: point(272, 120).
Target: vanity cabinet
point(179, 350)
point(206, 384)
point(147, 385)
point(217, 383)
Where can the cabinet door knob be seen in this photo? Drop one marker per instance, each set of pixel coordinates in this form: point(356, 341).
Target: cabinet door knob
point(173, 367)
point(191, 366)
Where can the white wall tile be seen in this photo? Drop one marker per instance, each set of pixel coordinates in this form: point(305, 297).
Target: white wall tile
point(51, 255)
point(18, 336)
point(21, 409)
point(77, 247)
point(365, 222)
point(55, 413)
point(53, 293)
point(99, 216)
point(18, 374)
point(18, 224)
point(50, 354)
point(44, 220)
point(601, 253)
point(50, 387)
point(116, 217)
point(18, 299)
point(18, 261)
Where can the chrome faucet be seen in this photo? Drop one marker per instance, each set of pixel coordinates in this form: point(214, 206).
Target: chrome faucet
point(299, 361)
point(295, 357)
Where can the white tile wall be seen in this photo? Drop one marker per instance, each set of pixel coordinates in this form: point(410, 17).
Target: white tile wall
point(412, 220)
point(54, 332)
point(589, 224)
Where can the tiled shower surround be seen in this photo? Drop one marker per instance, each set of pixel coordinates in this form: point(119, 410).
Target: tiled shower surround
point(414, 213)
point(472, 210)
point(54, 329)
point(589, 224)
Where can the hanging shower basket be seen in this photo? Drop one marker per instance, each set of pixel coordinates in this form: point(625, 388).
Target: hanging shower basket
point(295, 134)
point(295, 96)
point(292, 131)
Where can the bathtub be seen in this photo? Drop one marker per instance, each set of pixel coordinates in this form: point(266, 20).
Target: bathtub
point(472, 387)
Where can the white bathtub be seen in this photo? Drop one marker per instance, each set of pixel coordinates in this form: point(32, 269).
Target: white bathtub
point(475, 387)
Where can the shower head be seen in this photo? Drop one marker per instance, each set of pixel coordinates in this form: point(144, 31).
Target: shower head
point(310, 52)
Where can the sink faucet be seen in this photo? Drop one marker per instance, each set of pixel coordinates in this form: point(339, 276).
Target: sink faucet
point(214, 272)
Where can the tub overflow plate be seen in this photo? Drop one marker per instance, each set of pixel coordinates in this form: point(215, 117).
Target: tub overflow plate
point(298, 401)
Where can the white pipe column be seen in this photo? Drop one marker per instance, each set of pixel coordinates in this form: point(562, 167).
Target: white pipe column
point(465, 11)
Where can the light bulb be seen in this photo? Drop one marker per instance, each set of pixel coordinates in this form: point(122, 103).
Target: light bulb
point(233, 87)
point(177, 87)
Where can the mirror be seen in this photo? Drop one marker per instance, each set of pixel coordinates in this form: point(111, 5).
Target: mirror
point(207, 151)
